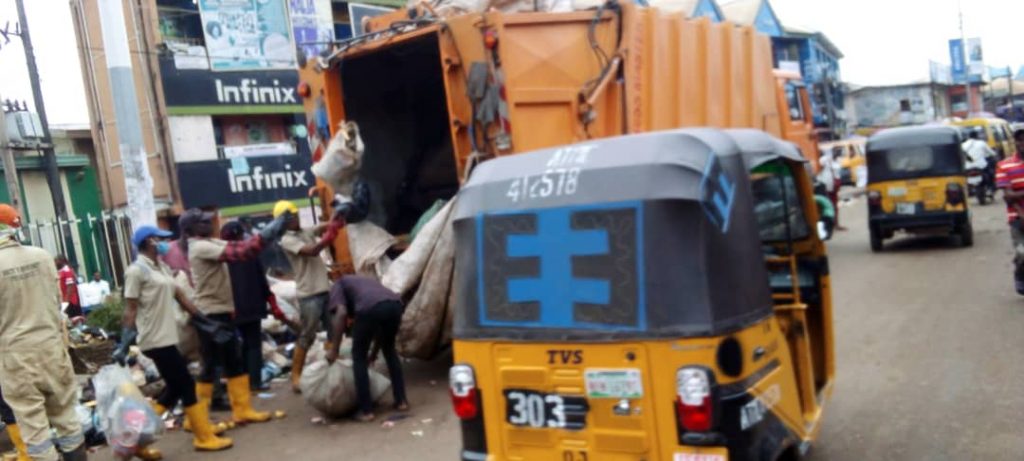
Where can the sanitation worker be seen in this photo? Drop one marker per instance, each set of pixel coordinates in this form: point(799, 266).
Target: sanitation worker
point(302, 247)
point(35, 370)
point(152, 298)
point(375, 313)
point(213, 297)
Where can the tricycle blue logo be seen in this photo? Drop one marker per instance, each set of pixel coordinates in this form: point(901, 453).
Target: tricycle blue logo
point(573, 268)
point(717, 192)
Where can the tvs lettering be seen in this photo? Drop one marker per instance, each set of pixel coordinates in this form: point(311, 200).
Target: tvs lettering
point(565, 357)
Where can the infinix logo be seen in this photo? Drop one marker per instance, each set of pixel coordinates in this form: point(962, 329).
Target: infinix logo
point(249, 91)
point(258, 180)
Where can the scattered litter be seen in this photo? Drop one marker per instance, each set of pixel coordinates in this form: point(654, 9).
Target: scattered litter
point(266, 395)
point(427, 421)
point(387, 424)
point(317, 420)
point(417, 433)
point(279, 414)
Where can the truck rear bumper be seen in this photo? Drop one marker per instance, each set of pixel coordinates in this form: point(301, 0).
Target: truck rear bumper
point(935, 219)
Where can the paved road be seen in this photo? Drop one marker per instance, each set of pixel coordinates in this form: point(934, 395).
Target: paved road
point(929, 347)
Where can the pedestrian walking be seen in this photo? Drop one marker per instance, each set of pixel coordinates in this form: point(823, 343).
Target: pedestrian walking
point(214, 298)
point(829, 175)
point(376, 315)
point(68, 286)
point(302, 247)
point(251, 293)
point(151, 298)
point(1010, 178)
point(35, 371)
point(13, 431)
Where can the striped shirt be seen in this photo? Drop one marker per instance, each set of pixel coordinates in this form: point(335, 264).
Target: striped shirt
point(1010, 175)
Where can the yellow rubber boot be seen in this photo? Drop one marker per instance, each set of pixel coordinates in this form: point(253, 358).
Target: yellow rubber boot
point(203, 437)
point(298, 361)
point(241, 402)
point(204, 394)
point(19, 444)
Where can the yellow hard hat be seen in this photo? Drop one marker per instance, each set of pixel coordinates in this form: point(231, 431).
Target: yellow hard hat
point(283, 206)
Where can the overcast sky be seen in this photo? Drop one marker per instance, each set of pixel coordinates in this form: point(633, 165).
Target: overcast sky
point(884, 42)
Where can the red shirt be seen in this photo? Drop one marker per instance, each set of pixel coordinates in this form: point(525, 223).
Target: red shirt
point(1010, 175)
point(68, 285)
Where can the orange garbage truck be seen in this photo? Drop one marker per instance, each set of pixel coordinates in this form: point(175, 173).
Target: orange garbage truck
point(433, 95)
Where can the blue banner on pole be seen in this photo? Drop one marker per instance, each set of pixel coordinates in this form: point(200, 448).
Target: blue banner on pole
point(956, 58)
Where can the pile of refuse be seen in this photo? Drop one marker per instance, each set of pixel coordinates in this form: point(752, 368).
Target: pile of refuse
point(422, 274)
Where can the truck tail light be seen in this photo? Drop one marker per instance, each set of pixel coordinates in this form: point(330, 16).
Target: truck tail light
point(694, 399)
point(874, 198)
point(954, 193)
point(463, 390)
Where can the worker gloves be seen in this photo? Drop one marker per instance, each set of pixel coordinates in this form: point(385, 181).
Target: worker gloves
point(358, 208)
point(128, 337)
point(275, 229)
point(220, 332)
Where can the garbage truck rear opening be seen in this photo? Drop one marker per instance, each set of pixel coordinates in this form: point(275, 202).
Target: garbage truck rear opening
point(403, 120)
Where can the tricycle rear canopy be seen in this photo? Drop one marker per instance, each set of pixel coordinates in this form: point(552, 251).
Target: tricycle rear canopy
point(650, 235)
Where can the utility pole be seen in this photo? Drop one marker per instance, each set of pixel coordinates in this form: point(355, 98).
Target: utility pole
point(49, 158)
point(137, 182)
point(963, 55)
point(10, 170)
point(1009, 81)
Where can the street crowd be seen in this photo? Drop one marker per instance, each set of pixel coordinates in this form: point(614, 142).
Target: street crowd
point(218, 279)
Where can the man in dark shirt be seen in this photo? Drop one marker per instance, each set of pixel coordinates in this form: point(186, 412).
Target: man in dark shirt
point(376, 313)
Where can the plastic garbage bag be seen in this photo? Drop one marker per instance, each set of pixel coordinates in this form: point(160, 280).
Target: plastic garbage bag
point(368, 244)
point(330, 388)
point(125, 416)
point(340, 163)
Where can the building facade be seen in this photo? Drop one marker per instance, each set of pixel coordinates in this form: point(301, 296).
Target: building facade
point(802, 50)
point(897, 105)
point(223, 126)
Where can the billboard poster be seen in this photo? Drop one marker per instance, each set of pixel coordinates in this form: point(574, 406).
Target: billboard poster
point(312, 25)
point(956, 58)
point(975, 59)
point(247, 34)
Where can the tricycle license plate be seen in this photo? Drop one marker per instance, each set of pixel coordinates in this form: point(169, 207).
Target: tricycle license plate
point(526, 408)
point(621, 383)
point(906, 208)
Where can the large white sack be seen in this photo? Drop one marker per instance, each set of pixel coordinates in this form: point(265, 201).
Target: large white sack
point(368, 244)
point(406, 271)
point(339, 166)
point(287, 297)
point(424, 318)
point(331, 389)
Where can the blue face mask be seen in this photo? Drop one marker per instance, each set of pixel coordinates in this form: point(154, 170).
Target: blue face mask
point(163, 247)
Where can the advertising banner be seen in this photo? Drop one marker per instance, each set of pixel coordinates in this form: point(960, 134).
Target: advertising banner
point(247, 34)
point(244, 180)
point(975, 59)
point(312, 25)
point(956, 58)
point(193, 90)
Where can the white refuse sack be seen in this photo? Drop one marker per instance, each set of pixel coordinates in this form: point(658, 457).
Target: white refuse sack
point(331, 389)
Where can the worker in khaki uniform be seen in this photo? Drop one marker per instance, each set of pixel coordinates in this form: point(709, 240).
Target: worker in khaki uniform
point(302, 247)
point(152, 298)
point(213, 297)
point(35, 370)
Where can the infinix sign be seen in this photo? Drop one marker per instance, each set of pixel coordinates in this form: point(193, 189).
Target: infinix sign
point(190, 91)
point(266, 180)
point(259, 180)
point(249, 91)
